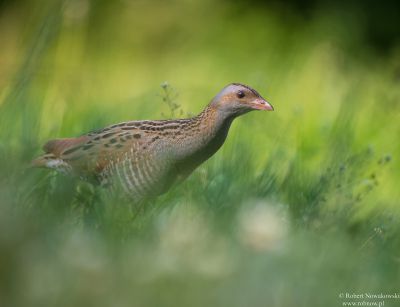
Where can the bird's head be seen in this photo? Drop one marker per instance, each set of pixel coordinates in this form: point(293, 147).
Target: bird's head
point(236, 99)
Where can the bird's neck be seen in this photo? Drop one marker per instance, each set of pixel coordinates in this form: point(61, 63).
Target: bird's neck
point(212, 125)
point(205, 134)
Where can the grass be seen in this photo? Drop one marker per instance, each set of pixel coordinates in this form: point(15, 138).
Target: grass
point(298, 206)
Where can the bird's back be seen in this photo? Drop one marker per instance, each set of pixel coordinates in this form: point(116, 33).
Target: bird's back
point(134, 155)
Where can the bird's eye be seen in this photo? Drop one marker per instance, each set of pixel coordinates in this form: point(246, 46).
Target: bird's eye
point(240, 94)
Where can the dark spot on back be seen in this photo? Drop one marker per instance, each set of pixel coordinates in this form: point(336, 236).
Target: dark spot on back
point(108, 135)
point(71, 150)
point(118, 125)
point(104, 130)
point(112, 141)
point(137, 136)
point(86, 147)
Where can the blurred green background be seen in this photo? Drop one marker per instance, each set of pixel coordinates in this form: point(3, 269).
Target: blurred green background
point(299, 206)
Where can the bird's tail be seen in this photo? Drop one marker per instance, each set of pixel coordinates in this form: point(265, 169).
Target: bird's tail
point(44, 161)
point(54, 149)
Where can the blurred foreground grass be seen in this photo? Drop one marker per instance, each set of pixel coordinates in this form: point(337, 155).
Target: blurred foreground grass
point(299, 205)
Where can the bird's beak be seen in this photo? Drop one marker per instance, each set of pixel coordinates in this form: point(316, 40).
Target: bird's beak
point(261, 104)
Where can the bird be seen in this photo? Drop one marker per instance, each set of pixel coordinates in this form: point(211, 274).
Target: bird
point(147, 157)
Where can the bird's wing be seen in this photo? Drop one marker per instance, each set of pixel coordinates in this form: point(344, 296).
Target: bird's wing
point(91, 153)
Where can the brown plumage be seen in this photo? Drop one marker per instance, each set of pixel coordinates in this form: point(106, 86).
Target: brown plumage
point(146, 157)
